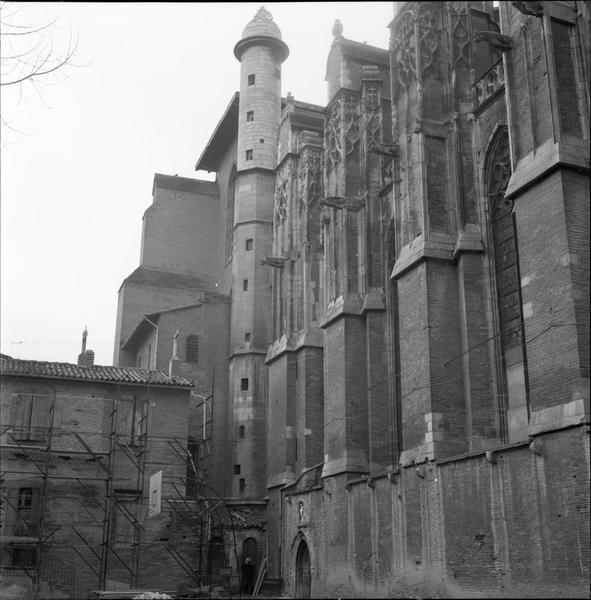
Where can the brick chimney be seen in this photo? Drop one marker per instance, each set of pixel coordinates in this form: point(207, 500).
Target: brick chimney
point(86, 357)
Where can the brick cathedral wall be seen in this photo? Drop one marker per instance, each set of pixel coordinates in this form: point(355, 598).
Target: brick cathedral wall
point(277, 420)
point(547, 288)
point(414, 341)
point(309, 408)
point(576, 188)
point(193, 221)
point(521, 531)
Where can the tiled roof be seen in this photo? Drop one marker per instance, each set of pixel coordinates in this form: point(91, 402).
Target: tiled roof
point(57, 370)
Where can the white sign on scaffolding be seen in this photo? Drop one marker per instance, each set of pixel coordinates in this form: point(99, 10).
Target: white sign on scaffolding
point(155, 494)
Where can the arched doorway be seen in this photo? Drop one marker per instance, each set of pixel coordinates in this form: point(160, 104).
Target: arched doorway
point(249, 550)
point(303, 577)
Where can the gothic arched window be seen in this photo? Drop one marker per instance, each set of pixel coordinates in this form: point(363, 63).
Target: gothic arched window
point(505, 256)
point(192, 349)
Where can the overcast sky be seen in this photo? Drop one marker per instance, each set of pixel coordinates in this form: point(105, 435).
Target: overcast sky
point(77, 174)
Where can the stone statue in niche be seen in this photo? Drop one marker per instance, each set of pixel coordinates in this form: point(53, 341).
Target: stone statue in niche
point(301, 511)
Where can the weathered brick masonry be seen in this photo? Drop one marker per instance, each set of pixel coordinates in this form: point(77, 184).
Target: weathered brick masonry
point(407, 269)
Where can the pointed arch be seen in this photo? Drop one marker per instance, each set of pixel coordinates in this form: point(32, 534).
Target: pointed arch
point(303, 574)
point(504, 256)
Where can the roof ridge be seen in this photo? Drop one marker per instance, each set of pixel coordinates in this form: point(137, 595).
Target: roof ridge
point(103, 373)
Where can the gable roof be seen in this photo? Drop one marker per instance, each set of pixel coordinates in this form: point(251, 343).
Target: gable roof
point(221, 138)
point(95, 373)
point(144, 326)
point(227, 129)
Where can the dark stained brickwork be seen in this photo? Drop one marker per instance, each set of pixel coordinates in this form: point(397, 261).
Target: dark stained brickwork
point(408, 363)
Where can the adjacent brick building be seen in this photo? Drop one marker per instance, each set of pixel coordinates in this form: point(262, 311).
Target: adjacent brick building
point(407, 271)
point(79, 447)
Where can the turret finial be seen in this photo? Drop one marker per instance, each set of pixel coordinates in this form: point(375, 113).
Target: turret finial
point(263, 15)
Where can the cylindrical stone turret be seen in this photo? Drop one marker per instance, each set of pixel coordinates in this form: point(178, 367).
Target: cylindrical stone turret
point(260, 52)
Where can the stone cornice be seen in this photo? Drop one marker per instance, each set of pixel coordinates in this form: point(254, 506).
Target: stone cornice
point(571, 153)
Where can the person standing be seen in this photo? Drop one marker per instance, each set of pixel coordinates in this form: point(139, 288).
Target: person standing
point(248, 576)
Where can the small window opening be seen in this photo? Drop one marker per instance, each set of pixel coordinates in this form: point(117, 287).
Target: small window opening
point(244, 384)
point(245, 285)
point(241, 484)
point(249, 155)
point(192, 349)
point(250, 115)
point(25, 498)
point(236, 469)
point(251, 79)
point(241, 432)
point(262, 140)
point(249, 244)
point(247, 336)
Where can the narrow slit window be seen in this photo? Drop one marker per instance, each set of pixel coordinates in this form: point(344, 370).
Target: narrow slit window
point(242, 484)
point(249, 244)
point(245, 285)
point(251, 79)
point(241, 432)
point(244, 384)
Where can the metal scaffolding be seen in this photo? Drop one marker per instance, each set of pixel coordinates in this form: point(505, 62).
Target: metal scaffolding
point(35, 447)
point(35, 453)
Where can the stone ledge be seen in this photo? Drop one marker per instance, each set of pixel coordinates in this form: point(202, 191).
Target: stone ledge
point(281, 479)
point(352, 462)
point(303, 339)
point(549, 419)
point(549, 156)
point(373, 300)
point(441, 248)
point(468, 241)
point(349, 305)
point(432, 450)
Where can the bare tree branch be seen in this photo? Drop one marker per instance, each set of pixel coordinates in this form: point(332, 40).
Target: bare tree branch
point(30, 52)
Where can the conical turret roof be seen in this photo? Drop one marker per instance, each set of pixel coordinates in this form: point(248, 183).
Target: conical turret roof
point(262, 31)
